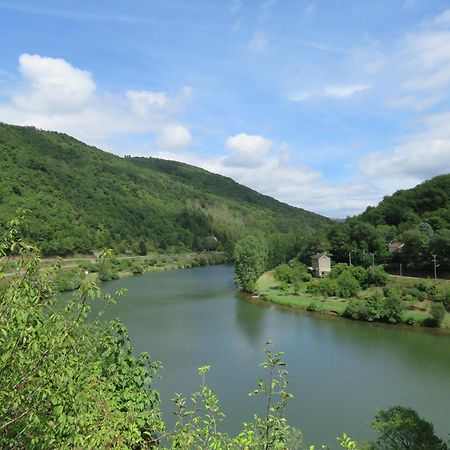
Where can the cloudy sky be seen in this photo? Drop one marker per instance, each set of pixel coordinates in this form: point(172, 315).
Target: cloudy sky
point(328, 104)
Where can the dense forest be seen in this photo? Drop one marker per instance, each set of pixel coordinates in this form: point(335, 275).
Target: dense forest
point(81, 199)
point(416, 220)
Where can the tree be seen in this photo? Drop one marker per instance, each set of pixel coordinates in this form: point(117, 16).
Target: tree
point(142, 248)
point(402, 428)
point(250, 260)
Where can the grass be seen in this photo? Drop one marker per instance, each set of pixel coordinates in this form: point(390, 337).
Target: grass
point(270, 290)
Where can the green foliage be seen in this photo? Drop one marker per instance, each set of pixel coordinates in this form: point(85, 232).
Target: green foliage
point(376, 276)
point(418, 217)
point(68, 279)
point(271, 431)
point(437, 311)
point(250, 260)
point(105, 266)
point(347, 284)
point(68, 382)
point(142, 248)
point(104, 201)
point(393, 309)
point(402, 428)
point(294, 271)
point(375, 308)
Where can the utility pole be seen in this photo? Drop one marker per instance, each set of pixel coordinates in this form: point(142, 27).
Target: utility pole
point(401, 272)
point(435, 265)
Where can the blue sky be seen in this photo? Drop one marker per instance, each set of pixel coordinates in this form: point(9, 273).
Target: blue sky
point(327, 105)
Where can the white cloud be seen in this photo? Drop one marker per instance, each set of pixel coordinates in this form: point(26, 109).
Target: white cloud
point(52, 86)
point(258, 43)
point(143, 101)
point(247, 150)
point(173, 137)
point(411, 103)
point(419, 156)
point(344, 91)
point(338, 92)
point(443, 18)
point(52, 94)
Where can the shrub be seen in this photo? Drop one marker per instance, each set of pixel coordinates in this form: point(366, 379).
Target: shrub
point(410, 321)
point(356, 309)
point(89, 266)
point(347, 285)
point(68, 280)
point(283, 273)
point(136, 268)
point(376, 276)
point(393, 309)
point(437, 311)
point(413, 292)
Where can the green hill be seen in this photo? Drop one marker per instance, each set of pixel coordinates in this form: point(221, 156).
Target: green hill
point(418, 219)
point(82, 198)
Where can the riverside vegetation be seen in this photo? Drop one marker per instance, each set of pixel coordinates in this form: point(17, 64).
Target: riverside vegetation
point(360, 294)
point(70, 382)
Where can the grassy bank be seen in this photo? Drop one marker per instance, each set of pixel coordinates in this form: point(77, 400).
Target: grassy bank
point(74, 270)
point(416, 312)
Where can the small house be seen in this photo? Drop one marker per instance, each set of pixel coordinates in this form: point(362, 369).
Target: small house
point(321, 265)
point(395, 247)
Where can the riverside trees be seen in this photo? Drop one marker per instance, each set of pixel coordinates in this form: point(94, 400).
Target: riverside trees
point(250, 261)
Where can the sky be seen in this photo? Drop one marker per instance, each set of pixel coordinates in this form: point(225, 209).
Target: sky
point(326, 105)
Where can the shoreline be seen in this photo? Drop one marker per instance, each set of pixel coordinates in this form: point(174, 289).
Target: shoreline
point(300, 304)
point(151, 263)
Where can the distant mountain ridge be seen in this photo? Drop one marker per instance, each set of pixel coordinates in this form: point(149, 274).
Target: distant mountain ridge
point(82, 198)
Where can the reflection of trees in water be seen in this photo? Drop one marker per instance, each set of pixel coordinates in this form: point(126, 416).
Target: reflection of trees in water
point(250, 320)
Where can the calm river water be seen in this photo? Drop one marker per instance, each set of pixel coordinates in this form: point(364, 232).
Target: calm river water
point(340, 371)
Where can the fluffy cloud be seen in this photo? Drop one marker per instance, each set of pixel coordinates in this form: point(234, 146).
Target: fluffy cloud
point(420, 156)
point(52, 86)
point(52, 94)
point(173, 137)
point(144, 101)
point(247, 150)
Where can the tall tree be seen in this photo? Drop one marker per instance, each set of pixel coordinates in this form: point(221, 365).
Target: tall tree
point(250, 261)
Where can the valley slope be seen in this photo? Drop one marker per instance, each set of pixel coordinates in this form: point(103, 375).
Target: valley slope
point(81, 199)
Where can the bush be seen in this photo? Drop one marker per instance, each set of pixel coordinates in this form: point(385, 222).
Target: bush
point(68, 280)
point(89, 266)
point(356, 309)
point(437, 311)
point(410, 321)
point(413, 292)
point(376, 276)
point(136, 268)
point(393, 309)
point(283, 273)
point(347, 285)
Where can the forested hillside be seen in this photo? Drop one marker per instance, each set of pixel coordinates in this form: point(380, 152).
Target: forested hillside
point(81, 199)
point(417, 219)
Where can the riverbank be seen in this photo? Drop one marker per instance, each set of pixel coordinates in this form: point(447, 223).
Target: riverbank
point(415, 315)
point(74, 270)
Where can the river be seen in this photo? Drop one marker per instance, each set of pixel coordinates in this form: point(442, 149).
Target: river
point(340, 371)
